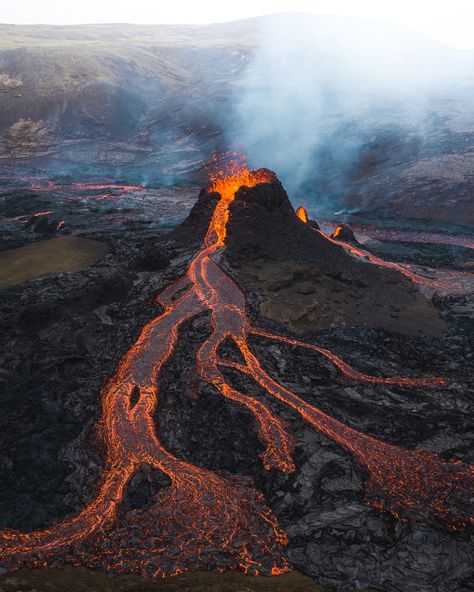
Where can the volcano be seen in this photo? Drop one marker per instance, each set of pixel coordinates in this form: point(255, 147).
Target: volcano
point(260, 275)
point(305, 279)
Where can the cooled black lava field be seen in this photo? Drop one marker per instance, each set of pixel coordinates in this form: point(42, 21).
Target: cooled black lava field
point(205, 381)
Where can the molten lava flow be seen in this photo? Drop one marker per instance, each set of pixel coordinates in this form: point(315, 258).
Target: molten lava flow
point(367, 256)
point(26, 217)
point(102, 186)
point(302, 214)
point(414, 236)
point(205, 520)
point(42, 185)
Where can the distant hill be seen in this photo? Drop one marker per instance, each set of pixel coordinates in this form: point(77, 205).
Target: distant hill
point(354, 115)
point(117, 86)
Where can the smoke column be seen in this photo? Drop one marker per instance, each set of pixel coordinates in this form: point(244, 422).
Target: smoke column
point(321, 92)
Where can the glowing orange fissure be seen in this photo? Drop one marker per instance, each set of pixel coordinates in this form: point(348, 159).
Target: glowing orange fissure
point(367, 256)
point(204, 512)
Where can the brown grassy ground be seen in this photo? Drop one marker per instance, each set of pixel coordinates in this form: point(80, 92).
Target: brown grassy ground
point(72, 579)
point(65, 253)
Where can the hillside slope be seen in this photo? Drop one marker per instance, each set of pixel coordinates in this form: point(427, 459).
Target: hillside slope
point(394, 137)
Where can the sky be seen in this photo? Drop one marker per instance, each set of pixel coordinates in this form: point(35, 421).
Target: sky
point(448, 21)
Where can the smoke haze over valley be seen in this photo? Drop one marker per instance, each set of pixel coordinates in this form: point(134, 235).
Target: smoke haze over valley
point(356, 115)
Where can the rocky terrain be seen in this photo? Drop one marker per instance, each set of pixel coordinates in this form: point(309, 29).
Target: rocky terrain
point(156, 101)
point(81, 580)
point(62, 336)
point(309, 285)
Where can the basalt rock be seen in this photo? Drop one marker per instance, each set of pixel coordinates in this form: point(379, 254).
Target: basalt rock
point(42, 225)
point(305, 281)
point(151, 259)
point(62, 337)
point(344, 233)
point(192, 230)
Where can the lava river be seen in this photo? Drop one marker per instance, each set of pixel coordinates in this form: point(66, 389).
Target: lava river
point(205, 520)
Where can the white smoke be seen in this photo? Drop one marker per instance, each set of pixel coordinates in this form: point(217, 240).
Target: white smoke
point(318, 88)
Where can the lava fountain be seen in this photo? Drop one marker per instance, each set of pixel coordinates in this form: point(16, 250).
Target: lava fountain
point(205, 520)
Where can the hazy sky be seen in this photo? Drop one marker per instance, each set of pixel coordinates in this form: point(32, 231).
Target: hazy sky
point(450, 21)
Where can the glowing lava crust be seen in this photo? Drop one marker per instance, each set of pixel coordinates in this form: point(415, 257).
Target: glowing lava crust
point(205, 520)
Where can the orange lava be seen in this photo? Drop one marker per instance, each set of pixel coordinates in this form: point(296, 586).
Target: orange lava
point(367, 256)
point(25, 217)
point(206, 520)
point(302, 214)
point(414, 236)
point(101, 186)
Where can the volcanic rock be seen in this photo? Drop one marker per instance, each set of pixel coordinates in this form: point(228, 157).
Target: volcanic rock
point(344, 233)
point(151, 259)
point(27, 138)
point(42, 225)
point(17, 202)
point(302, 279)
point(192, 230)
point(63, 335)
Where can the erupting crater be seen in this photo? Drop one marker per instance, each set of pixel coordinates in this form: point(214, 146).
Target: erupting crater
point(206, 520)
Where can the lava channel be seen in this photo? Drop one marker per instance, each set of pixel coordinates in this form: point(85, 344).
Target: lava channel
point(205, 520)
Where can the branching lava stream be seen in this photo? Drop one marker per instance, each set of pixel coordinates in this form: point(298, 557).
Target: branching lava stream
point(205, 520)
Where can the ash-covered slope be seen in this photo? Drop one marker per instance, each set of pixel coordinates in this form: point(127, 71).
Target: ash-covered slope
point(302, 279)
